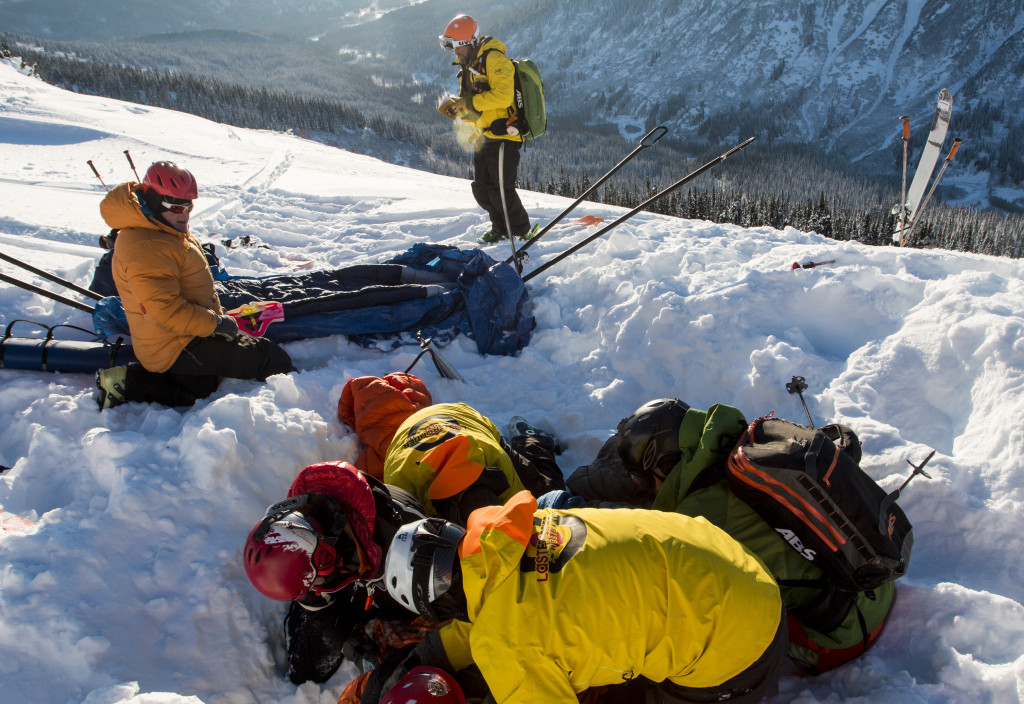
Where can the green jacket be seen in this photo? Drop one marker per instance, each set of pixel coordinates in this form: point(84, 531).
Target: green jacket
point(705, 439)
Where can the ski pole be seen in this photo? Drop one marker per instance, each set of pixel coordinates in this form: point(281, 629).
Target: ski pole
point(93, 167)
point(132, 164)
point(903, 196)
point(797, 386)
point(504, 208)
point(48, 294)
point(648, 141)
point(689, 177)
point(946, 163)
point(47, 275)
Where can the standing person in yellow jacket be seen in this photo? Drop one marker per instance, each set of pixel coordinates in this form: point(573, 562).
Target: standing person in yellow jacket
point(182, 339)
point(549, 603)
point(454, 460)
point(486, 93)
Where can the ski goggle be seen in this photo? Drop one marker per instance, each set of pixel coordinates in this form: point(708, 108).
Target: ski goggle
point(178, 208)
point(449, 44)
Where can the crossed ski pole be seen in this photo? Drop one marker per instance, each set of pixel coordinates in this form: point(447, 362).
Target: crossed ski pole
point(49, 294)
point(649, 140)
point(607, 228)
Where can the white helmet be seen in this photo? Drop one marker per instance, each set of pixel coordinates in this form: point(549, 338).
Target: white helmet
point(420, 563)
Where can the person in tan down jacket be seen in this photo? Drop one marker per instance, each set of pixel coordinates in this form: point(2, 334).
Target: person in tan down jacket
point(183, 341)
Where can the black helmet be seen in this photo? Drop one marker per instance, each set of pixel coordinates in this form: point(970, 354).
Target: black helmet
point(649, 439)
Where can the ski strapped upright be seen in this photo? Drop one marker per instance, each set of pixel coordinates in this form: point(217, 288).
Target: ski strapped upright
point(929, 158)
point(648, 140)
point(607, 228)
point(931, 191)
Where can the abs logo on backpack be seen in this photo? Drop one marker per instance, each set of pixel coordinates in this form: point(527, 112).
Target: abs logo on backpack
point(791, 538)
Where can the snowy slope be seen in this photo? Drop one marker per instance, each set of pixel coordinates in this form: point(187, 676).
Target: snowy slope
point(130, 588)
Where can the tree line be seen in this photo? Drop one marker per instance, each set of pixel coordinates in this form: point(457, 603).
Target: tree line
point(769, 185)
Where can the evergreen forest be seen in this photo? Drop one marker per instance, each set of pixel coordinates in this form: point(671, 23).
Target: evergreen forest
point(392, 117)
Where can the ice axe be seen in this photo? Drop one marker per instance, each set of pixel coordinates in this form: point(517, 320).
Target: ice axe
point(443, 366)
point(797, 386)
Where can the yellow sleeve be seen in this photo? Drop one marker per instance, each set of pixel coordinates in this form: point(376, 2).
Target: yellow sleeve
point(517, 678)
point(455, 639)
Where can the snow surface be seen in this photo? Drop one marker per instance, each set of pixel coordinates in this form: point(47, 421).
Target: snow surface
point(130, 587)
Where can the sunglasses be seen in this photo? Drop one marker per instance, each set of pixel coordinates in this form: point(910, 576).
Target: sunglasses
point(178, 208)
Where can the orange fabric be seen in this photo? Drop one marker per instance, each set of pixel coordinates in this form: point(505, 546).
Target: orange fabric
point(388, 636)
point(455, 470)
point(375, 407)
point(353, 693)
point(514, 519)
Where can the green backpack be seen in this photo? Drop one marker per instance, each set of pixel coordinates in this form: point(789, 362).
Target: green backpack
point(531, 119)
point(529, 99)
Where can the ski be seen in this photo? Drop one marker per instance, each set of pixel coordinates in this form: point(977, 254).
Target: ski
point(929, 158)
point(931, 191)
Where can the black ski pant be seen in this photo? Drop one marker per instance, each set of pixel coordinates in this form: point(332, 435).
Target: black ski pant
point(200, 366)
point(487, 186)
point(534, 462)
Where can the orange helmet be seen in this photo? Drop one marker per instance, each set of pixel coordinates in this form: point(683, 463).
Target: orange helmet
point(462, 30)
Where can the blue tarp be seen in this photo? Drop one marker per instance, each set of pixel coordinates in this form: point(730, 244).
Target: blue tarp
point(488, 303)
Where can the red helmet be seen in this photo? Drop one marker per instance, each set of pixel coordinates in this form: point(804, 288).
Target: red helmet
point(425, 685)
point(169, 179)
point(282, 559)
point(462, 30)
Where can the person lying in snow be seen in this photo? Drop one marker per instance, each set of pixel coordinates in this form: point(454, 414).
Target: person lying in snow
point(180, 335)
point(551, 603)
point(323, 547)
point(666, 456)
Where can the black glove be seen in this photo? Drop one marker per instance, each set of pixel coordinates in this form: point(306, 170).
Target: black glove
point(227, 327)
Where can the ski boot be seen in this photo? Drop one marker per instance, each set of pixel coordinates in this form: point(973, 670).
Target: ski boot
point(492, 236)
point(518, 426)
point(110, 385)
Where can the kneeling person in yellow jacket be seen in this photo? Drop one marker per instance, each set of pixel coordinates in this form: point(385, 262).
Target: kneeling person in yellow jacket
point(549, 603)
point(454, 460)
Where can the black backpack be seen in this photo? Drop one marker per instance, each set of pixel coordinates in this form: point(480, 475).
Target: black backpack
point(812, 491)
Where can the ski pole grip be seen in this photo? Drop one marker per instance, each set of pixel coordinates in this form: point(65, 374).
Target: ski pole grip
point(952, 151)
point(93, 167)
point(660, 129)
point(906, 127)
point(129, 157)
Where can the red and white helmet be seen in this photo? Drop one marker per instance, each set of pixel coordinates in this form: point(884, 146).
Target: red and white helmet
point(284, 559)
point(169, 179)
point(461, 31)
point(286, 552)
point(425, 685)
